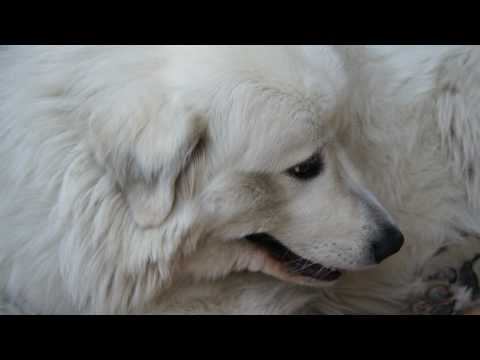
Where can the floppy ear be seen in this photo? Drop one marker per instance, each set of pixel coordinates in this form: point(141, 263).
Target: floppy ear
point(147, 157)
point(162, 152)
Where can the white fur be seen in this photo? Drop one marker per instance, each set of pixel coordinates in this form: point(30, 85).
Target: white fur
point(129, 175)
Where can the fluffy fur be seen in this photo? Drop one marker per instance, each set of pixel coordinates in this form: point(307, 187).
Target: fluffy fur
point(130, 175)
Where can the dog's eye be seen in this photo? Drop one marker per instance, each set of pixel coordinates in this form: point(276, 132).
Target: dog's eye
point(308, 169)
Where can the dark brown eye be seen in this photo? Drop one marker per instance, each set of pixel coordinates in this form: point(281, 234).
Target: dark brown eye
point(308, 169)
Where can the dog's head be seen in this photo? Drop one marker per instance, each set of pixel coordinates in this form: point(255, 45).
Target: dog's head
point(230, 162)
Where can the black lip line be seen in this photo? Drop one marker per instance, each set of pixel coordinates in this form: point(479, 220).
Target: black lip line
point(295, 263)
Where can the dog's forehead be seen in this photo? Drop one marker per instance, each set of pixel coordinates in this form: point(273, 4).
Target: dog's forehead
point(263, 110)
point(288, 140)
point(268, 127)
point(285, 130)
point(274, 139)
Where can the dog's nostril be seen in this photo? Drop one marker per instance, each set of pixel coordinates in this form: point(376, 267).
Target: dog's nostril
point(389, 242)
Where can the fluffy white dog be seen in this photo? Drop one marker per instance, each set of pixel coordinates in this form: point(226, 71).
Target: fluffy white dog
point(239, 179)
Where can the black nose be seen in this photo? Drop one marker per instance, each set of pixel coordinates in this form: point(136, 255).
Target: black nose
point(389, 241)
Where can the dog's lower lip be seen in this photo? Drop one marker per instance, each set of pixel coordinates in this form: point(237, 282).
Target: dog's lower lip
point(294, 263)
point(319, 272)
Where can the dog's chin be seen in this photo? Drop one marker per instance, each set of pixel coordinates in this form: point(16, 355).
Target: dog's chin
point(285, 265)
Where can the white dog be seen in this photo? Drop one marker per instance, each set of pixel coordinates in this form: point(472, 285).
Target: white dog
point(239, 179)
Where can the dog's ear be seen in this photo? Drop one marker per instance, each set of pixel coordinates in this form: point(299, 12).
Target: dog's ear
point(147, 157)
point(162, 153)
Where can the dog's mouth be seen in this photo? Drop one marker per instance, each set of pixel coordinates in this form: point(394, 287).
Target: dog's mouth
point(295, 265)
